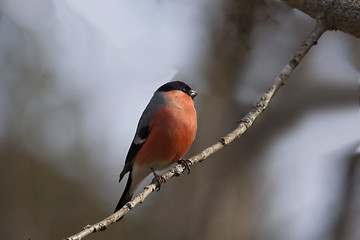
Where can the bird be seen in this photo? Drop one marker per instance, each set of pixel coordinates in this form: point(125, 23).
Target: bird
point(165, 132)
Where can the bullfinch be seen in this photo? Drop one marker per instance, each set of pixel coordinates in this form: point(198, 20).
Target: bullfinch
point(164, 134)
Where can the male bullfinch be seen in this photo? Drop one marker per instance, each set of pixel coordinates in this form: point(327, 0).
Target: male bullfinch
point(164, 134)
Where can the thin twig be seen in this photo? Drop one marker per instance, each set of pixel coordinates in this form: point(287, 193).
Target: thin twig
point(244, 124)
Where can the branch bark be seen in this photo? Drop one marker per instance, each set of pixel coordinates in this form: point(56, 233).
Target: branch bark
point(343, 15)
point(244, 125)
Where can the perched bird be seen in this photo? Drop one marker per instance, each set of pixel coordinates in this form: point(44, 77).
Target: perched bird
point(164, 134)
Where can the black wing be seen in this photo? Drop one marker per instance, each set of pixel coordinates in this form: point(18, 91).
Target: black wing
point(134, 148)
point(143, 130)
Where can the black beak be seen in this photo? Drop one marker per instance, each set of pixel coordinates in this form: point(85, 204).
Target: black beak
point(192, 93)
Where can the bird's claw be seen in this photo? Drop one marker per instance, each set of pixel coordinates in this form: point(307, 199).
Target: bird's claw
point(186, 163)
point(159, 179)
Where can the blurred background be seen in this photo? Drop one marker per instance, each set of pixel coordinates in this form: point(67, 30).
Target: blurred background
point(75, 77)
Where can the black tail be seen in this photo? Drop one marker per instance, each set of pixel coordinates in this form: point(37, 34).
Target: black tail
point(126, 196)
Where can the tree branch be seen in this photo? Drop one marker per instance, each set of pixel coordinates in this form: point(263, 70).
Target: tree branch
point(343, 15)
point(244, 124)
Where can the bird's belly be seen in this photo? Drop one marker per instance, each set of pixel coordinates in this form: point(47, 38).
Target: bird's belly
point(171, 135)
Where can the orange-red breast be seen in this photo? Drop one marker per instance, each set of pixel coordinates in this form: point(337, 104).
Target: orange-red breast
point(164, 134)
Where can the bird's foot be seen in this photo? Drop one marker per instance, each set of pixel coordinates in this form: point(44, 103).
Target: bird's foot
point(186, 163)
point(160, 180)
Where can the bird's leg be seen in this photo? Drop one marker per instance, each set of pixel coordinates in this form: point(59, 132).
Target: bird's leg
point(186, 163)
point(160, 180)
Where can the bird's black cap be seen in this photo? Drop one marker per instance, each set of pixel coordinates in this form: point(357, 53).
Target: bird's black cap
point(178, 85)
